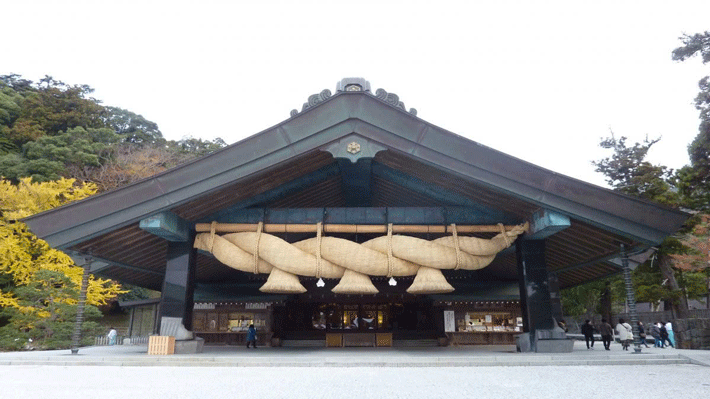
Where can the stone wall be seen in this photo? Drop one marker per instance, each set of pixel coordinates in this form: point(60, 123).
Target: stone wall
point(692, 333)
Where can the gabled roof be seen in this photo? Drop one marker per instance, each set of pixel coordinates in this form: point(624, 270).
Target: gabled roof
point(404, 154)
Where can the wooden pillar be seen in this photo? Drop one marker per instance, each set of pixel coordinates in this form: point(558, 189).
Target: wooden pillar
point(154, 325)
point(534, 286)
point(536, 302)
point(130, 322)
point(555, 299)
point(179, 284)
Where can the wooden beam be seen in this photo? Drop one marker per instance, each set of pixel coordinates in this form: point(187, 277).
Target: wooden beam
point(344, 228)
point(545, 223)
point(168, 226)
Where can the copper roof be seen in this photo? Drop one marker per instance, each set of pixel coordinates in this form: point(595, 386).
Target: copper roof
point(410, 162)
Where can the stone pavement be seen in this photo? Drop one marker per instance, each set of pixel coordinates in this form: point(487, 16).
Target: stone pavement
point(364, 373)
point(465, 356)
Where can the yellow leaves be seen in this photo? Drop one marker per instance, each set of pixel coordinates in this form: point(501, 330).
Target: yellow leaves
point(14, 259)
point(23, 255)
point(27, 198)
point(7, 300)
point(100, 290)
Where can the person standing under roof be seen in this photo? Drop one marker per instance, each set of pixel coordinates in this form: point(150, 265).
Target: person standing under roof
point(251, 336)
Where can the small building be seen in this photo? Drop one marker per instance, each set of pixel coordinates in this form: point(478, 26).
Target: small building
point(355, 222)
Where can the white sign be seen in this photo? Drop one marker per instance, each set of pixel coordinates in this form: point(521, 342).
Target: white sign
point(203, 306)
point(256, 305)
point(449, 322)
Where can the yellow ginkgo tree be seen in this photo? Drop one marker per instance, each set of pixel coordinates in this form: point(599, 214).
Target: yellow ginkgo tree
point(28, 263)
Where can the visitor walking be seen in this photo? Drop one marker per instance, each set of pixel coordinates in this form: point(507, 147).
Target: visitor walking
point(664, 335)
point(656, 333)
point(642, 334)
point(671, 336)
point(251, 336)
point(607, 334)
point(588, 331)
point(112, 335)
point(623, 329)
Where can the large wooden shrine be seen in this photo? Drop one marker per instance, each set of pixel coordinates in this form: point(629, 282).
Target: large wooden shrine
point(356, 223)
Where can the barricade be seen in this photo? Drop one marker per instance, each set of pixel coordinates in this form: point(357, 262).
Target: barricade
point(161, 345)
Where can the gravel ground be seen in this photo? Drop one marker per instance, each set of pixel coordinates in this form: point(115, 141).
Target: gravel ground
point(77, 382)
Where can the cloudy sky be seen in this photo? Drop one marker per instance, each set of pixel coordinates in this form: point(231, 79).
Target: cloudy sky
point(540, 80)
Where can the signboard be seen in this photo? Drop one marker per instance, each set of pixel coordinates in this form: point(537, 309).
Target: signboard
point(203, 306)
point(256, 305)
point(449, 322)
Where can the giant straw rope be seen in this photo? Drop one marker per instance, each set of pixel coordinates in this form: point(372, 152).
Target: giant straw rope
point(353, 263)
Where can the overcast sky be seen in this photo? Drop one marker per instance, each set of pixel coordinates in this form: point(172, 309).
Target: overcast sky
point(540, 80)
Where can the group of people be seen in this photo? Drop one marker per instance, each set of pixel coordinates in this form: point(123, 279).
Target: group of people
point(661, 333)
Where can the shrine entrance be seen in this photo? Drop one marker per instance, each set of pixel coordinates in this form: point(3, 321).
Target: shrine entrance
point(407, 318)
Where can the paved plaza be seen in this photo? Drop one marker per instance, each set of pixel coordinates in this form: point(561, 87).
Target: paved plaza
point(231, 372)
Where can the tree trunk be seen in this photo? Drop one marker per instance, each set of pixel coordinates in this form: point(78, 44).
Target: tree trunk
point(679, 304)
point(605, 302)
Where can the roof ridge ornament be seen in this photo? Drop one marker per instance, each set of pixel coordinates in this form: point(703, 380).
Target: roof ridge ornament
point(354, 84)
point(393, 100)
point(313, 100)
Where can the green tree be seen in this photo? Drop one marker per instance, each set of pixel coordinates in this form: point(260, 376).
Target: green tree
point(133, 128)
point(54, 107)
point(49, 157)
point(198, 147)
point(10, 108)
point(52, 130)
point(585, 300)
point(46, 313)
point(627, 171)
point(694, 180)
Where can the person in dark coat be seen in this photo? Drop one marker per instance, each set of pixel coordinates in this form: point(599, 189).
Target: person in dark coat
point(656, 334)
point(664, 335)
point(642, 334)
point(607, 333)
point(251, 336)
point(588, 331)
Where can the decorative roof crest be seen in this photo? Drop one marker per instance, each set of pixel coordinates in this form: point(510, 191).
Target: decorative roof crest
point(313, 100)
point(393, 100)
point(354, 84)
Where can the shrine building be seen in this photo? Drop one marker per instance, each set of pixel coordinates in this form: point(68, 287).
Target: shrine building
point(356, 223)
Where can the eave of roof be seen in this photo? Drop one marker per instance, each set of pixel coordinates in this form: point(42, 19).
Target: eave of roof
point(362, 115)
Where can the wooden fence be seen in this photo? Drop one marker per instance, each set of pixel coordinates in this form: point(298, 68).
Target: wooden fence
point(121, 340)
